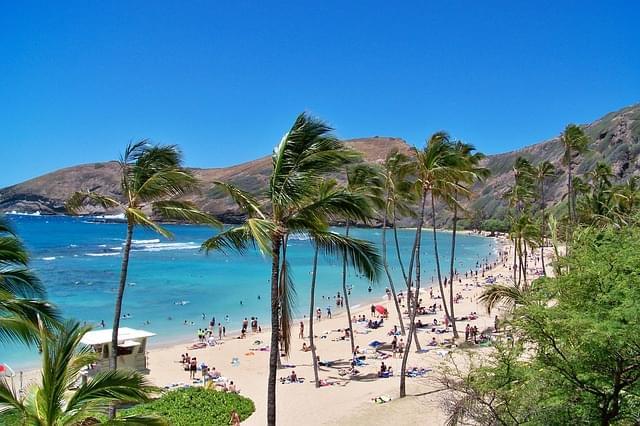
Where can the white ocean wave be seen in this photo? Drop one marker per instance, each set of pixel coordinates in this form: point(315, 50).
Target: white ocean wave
point(166, 246)
point(49, 258)
point(299, 237)
point(155, 240)
point(115, 248)
point(16, 213)
point(119, 216)
point(101, 254)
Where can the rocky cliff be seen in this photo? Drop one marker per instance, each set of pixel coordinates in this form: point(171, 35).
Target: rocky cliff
point(615, 138)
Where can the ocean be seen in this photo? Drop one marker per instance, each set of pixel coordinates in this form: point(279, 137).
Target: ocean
point(172, 284)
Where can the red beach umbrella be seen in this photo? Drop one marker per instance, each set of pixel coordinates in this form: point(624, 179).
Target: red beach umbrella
point(381, 309)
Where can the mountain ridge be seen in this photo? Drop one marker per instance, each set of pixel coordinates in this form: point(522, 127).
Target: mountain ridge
point(615, 138)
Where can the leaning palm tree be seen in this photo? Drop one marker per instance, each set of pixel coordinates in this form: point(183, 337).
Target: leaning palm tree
point(467, 161)
point(437, 176)
point(305, 155)
point(22, 303)
point(575, 143)
point(50, 403)
point(152, 178)
point(542, 172)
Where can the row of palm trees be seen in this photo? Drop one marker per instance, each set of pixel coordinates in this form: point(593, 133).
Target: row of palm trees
point(591, 200)
point(302, 198)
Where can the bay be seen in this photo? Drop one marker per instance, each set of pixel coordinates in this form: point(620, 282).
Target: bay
point(174, 288)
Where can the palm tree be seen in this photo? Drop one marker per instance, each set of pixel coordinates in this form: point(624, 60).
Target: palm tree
point(50, 403)
point(627, 200)
point(21, 292)
point(520, 196)
point(151, 177)
point(396, 188)
point(523, 234)
point(542, 172)
point(467, 161)
point(363, 180)
point(437, 176)
point(575, 143)
point(305, 155)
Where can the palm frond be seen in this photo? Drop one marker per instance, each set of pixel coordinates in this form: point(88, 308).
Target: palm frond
point(109, 386)
point(80, 199)
point(305, 153)
point(253, 231)
point(362, 255)
point(335, 204)
point(21, 282)
point(498, 294)
point(184, 210)
point(138, 217)
point(243, 199)
point(166, 184)
point(20, 318)
point(8, 401)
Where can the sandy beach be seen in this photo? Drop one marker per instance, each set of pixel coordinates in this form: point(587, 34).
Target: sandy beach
point(349, 399)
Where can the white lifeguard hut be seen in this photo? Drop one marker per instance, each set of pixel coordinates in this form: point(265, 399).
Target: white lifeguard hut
point(132, 348)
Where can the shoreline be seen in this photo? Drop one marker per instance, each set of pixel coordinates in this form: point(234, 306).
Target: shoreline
point(189, 335)
point(350, 397)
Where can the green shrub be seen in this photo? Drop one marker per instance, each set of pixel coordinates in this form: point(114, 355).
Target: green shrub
point(195, 406)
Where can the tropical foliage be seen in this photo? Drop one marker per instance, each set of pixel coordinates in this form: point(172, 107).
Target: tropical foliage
point(194, 406)
point(22, 304)
point(51, 402)
point(577, 355)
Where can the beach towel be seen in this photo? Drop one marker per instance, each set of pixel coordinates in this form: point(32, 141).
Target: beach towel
point(376, 343)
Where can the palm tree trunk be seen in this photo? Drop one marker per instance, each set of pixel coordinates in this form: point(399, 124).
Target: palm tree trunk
point(282, 282)
point(542, 226)
point(435, 251)
point(413, 309)
point(410, 277)
point(312, 303)
point(113, 355)
point(570, 190)
point(451, 267)
point(346, 297)
point(397, 243)
point(274, 352)
point(524, 269)
point(385, 263)
point(515, 261)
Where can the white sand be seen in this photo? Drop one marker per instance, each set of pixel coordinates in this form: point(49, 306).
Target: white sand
point(349, 403)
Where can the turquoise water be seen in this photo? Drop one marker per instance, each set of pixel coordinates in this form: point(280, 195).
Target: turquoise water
point(172, 281)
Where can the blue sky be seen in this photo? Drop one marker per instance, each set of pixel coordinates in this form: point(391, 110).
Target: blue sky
point(224, 80)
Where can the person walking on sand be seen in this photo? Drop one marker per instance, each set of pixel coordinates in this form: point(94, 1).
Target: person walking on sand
point(301, 334)
point(193, 368)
